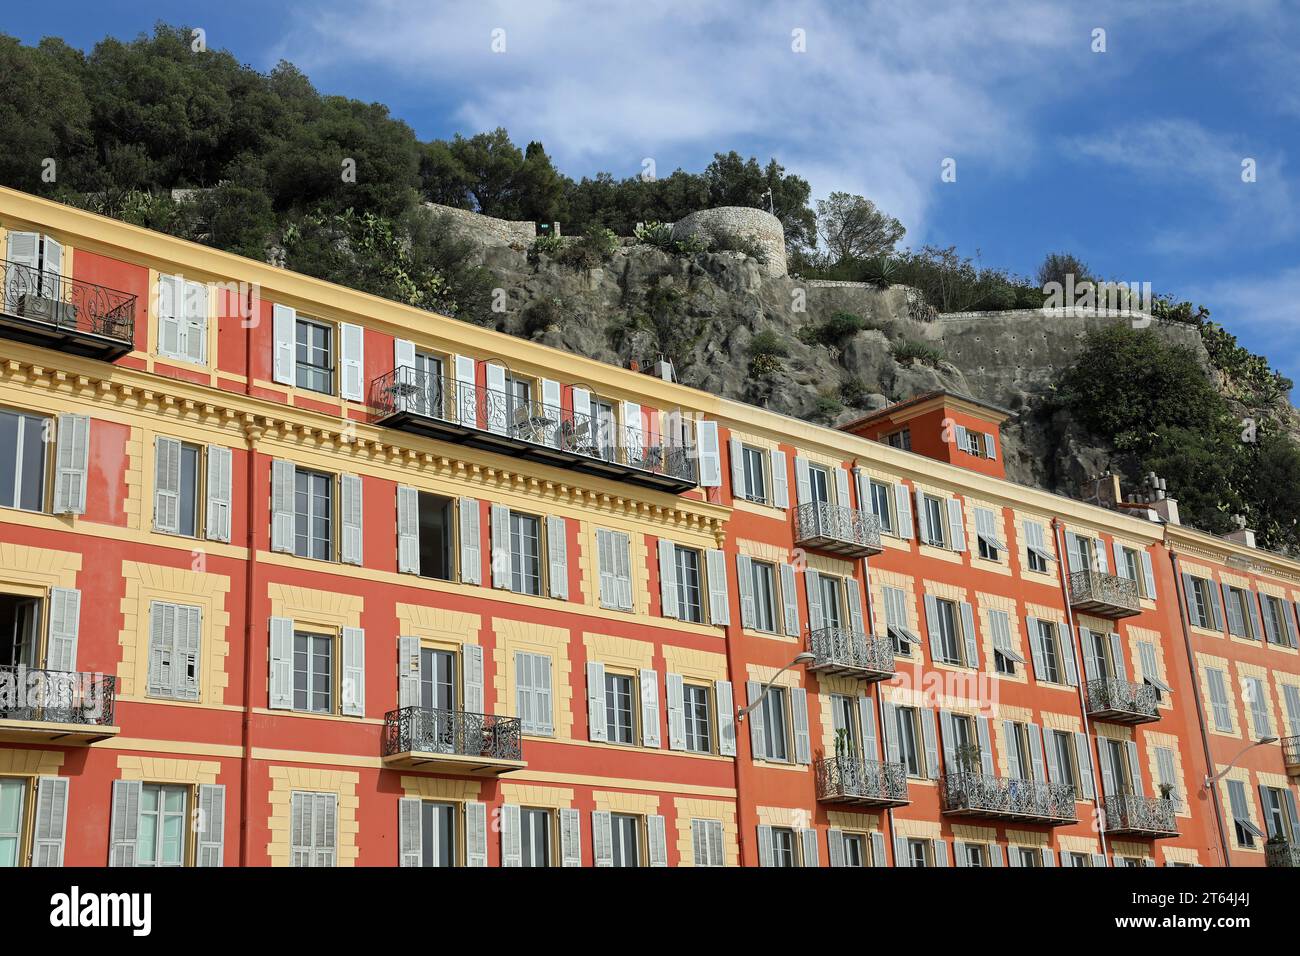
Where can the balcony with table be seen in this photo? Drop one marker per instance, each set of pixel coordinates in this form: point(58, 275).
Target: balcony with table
point(444, 408)
point(56, 707)
point(1106, 595)
point(834, 529)
point(81, 318)
point(455, 741)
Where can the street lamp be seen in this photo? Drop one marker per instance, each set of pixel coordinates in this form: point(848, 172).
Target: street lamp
point(803, 658)
point(1211, 781)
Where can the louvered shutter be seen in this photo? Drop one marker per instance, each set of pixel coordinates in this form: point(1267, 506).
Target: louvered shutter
point(889, 729)
point(835, 846)
point(468, 403)
point(1049, 752)
point(171, 298)
point(475, 834)
point(409, 837)
point(802, 738)
point(472, 678)
point(512, 854)
point(597, 729)
point(633, 432)
point(495, 398)
point(757, 721)
point(706, 436)
point(408, 530)
point(219, 493)
point(676, 712)
point(1258, 604)
point(1216, 609)
point(1121, 566)
point(986, 746)
point(1134, 768)
point(948, 740)
point(282, 505)
point(622, 545)
point(166, 485)
point(471, 555)
point(924, 532)
point(1034, 636)
point(124, 825)
point(1066, 647)
point(281, 654)
point(726, 718)
point(649, 686)
point(188, 637)
point(878, 850)
point(931, 744)
point(195, 323)
point(408, 671)
point(764, 845)
point(543, 706)
point(963, 442)
point(901, 857)
point(24, 250)
point(354, 671)
point(1165, 767)
point(867, 723)
point(854, 592)
point(842, 488)
point(602, 837)
point(1219, 700)
point(903, 511)
point(64, 628)
point(285, 356)
point(557, 542)
point(719, 599)
point(1083, 760)
point(812, 585)
point(605, 568)
point(1107, 770)
point(789, 601)
point(552, 412)
point(969, 635)
point(162, 640)
point(780, 479)
point(802, 480)
point(50, 826)
point(1117, 656)
point(1035, 734)
point(350, 509)
point(73, 456)
point(570, 838)
point(940, 850)
point(211, 825)
point(932, 627)
point(810, 855)
point(667, 578)
point(957, 525)
point(1148, 575)
point(657, 840)
point(502, 560)
point(745, 579)
point(990, 447)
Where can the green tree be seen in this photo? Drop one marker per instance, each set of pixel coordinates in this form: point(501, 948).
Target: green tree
point(851, 227)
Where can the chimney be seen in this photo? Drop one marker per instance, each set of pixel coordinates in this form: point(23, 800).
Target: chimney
point(1154, 491)
point(1102, 490)
point(1242, 535)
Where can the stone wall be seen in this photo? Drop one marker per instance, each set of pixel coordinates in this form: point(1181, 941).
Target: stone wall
point(754, 224)
point(485, 229)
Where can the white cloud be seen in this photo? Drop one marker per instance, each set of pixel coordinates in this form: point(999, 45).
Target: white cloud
point(1262, 310)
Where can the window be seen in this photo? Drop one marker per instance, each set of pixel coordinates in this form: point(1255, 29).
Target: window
point(1062, 744)
point(606, 428)
point(182, 319)
point(1081, 551)
point(612, 554)
point(1167, 776)
point(899, 439)
point(775, 726)
point(844, 720)
point(1256, 694)
point(1279, 813)
point(160, 840)
point(902, 636)
point(695, 704)
point(428, 398)
point(13, 804)
point(175, 631)
point(36, 265)
point(1080, 859)
point(438, 837)
point(881, 503)
point(313, 673)
point(986, 532)
point(1037, 556)
point(437, 690)
point(706, 840)
point(1029, 856)
point(832, 592)
point(764, 577)
point(177, 498)
point(1277, 623)
point(535, 833)
point(436, 517)
point(918, 853)
point(20, 631)
point(1246, 832)
point(1005, 657)
point(533, 692)
point(783, 847)
point(1131, 568)
point(1219, 705)
point(22, 460)
point(855, 849)
point(950, 643)
point(1200, 607)
point(819, 482)
point(933, 521)
point(313, 515)
point(974, 853)
point(690, 602)
point(525, 554)
point(1052, 672)
point(908, 744)
point(314, 353)
point(626, 832)
point(754, 463)
point(619, 721)
point(313, 828)
point(1019, 759)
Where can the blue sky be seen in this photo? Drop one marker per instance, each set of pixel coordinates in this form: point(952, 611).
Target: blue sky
point(1130, 158)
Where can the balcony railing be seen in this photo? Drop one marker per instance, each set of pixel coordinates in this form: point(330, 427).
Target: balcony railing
point(442, 407)
point(1140, 816)
point(851, 779)
point(1106, 595)
point(38, 704)
point(1282, 853)
point(66, 314)
point(1008, 798)
point(1291, 753)
point(1122, 701)
point(839, 650)
point(482, 743)
point(836, 529)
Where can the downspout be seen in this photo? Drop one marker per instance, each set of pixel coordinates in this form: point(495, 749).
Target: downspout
point(736, 672)
point(251, 435)
point(880, 707)
point(1062, 561)
point(1200, 708)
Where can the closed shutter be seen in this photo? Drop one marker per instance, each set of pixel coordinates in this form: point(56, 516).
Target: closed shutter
point(605, 568)
point(802, 480)
point(171, 297)
point(657, 839)
point(602, 837)
point(903, 510)
point(1083, 760)
point(467, 401)
point(780, 479)
point(745, 578)
point(1033, 635)
point(990, 447)
point(1134, 768)
point(597, 728)
point(553, 411)
point(473, 677)
point(711, 457)
point(726, 718)
point(350, 509)
point(813, 588)
point(1219, 700)
point(855, 605)
point(649, 684)
point(495, 399)
point(51, 823)
point(409, 838)
point(512, 853)
point(968, 633)
point(802, 739)
point(408, 530)
point(543, 707)
point(285, 321)
point(1108, 787)
point(633, 432)
point(957, 525)
point(325, 826)
point(501, 557)
point(986, 746)
point(889, 728)
point(188, 638)
point(282, 505)
point(835, 846)
point(211, 825)
point(901, 857)
point(195, 323)
point(73, 456)
point(867, 722)
point(1291, 694)
point(1166, 769)
point(676, 712)
point(219, 493)
point(1148, 575)
point(932, 627)
point(475, 833)
point(808, 840)
point(65, 626)
point(1049, 857)
point(1258, 602)
point(557, 548)
point(124, 823)
point(1066, 647)
point(667, 578)
point(524, 696)
point(24, 249)
point(842, 488)
point(166, 485)
point(925, 534)
point(878, 856)
point(622, 545)
point(471, 555)
point(408, 671)
point(940, 850)
point(764, 845)
point(354, 671)
point(570, 838)
point(789, 601)
point(997, 855)
point(1036, 751)
point(719, 599)
point(404, 366)
point(931, 744)
point(757, 721)
point(281, 654)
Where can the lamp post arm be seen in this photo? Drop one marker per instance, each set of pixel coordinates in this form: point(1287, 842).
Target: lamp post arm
point(743, 712)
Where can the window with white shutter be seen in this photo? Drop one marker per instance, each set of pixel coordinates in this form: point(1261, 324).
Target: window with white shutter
point(533, 692)
point(615, 569)
point(183, 319)
point(313, 829)
point(175, 638)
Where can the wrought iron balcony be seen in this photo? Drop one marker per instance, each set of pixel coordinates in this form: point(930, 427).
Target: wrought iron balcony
point(65, 707)
point(1105, 595)
point(443, 408)
point(70, 315)
point(1140, 816)
point(1282, 853)
point(837, 530)
point(1008, 798)
point(416, 738)
point(839, 650)
point(1291, 754)
point(1122, 701)
point(851, 779)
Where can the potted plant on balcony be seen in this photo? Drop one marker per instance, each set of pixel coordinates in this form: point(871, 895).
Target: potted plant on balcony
point(968, 758)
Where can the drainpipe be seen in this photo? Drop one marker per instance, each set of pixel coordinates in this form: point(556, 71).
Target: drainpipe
point(1200, 708)
point(1094, 748)
point(880, 707)
point(745, 821)
point(251, 434)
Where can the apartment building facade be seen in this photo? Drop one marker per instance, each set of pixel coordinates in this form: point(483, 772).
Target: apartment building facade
point(292, 575)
